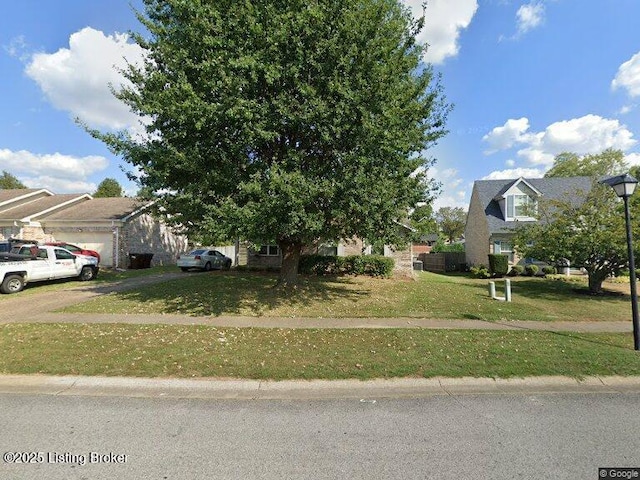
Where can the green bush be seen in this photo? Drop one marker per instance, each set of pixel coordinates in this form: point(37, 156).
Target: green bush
point(516, 270)
point(441, 247)
point(548, 270)
point(371, 265)
point(498, 264)
point(531, 270)
point(480, 271)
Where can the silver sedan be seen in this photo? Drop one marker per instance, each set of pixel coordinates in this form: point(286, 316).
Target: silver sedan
point(204, 259)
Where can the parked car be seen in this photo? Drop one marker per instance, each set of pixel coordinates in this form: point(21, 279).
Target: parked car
point(75, 249)
point(11, 243)
point(33, 263)
point(204, 259)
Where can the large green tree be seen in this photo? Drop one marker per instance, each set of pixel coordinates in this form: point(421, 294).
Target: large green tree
point(423, 221)
point(588, 230)
point(109, 187)
point(9, 182)
point(451, 222)
point(569, 164)
point(283, 121)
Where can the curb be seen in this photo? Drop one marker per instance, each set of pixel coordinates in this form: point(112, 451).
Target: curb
point(238, 389)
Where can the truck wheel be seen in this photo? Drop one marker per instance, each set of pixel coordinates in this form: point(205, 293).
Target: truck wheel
point(184, 269)
point(87, 273)
point(12, 284)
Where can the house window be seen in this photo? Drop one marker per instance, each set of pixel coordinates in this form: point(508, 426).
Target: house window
point(520, 206)
point(500, 247)
point(328, 250)
point(269, 250)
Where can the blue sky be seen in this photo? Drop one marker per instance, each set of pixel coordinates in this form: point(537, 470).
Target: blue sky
point(529, 79)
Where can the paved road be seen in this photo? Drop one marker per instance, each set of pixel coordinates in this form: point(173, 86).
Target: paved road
point(524, 436)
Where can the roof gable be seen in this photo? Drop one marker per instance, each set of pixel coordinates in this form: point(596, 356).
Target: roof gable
point(100, 209)
point(556, 188)
point(517, 185)
point(32, 210)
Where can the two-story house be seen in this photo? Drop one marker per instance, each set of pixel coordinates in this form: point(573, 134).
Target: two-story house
point(497, 206)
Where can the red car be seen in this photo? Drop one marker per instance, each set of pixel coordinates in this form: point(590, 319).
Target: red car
point(75, 249)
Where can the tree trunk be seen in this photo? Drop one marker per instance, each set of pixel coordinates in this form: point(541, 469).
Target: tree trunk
point(290, 259)
point(595, 281)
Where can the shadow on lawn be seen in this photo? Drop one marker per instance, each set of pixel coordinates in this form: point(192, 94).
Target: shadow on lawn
point(545, 289)
point(220, 293)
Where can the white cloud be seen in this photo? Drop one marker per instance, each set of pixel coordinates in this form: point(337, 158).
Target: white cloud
point(444, 20)
point(587, 134)
point(453, 192)
point(510, 163)
point(632, 159)
point(16, 47)
point(78, 79)
point(59, 185)
point(64, 173)
point(529, 16)
point(628, 76)
point(506, 136)
point(515, 173)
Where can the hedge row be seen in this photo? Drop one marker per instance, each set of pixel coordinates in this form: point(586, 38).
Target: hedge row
point(372, 265)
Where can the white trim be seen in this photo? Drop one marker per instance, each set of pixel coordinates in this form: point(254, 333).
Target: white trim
point(138, 211)
point(28, 195)
point(84, 196)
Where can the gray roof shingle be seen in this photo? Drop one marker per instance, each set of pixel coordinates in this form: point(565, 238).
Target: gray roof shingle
point(99, 209)
point(556, 188)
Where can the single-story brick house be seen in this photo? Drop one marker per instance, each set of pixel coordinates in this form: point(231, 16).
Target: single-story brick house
point(114, 227)
point(498, 206)
point(265, 256)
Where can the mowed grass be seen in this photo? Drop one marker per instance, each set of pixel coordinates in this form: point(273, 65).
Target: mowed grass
point(429, 296)
point(104, 276)
point(205, 351)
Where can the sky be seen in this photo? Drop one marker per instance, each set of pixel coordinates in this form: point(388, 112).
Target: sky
point(527, 81)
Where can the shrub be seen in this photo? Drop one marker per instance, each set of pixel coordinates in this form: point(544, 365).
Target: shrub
point(498, 264)
point(531, 270)
point(372, 265)
point(480, 271)
point(548, 270)
point(441, 247)
point(516, 270)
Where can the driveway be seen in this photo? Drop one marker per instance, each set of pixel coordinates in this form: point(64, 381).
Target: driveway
point(32, 306)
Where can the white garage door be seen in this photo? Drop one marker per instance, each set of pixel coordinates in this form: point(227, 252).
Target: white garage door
point(101, 242)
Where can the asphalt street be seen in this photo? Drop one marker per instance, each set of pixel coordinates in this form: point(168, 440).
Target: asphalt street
point(506, 436)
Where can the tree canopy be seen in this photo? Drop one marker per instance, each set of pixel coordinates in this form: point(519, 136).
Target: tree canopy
point(588, 230)
point(607, 163)
point(283, 121)
point(451, 222)
point(109, 187)
point(423, 221)
point(8, 181)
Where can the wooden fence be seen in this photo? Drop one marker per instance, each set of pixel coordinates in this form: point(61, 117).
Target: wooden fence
point(442, 262)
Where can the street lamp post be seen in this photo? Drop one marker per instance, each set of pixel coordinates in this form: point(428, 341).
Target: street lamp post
point(624, 185)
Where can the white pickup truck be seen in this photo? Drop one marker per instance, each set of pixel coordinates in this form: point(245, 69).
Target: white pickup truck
point(38, 263)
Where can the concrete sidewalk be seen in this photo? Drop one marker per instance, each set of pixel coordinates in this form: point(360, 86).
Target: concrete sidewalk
point(221, 389)
point(302, 322)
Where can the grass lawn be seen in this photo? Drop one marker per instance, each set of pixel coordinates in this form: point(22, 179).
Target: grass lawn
point(430, 296)
point(204, 351)
point(104, 276)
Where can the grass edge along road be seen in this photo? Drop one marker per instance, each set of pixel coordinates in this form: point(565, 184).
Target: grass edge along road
point(429, 296)
point(178, 351)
